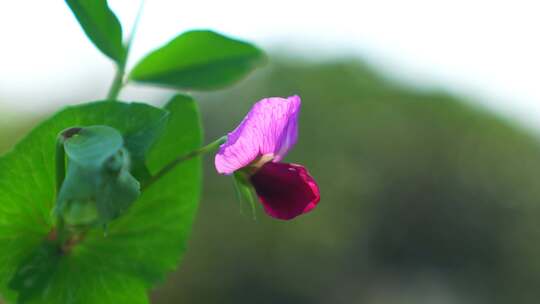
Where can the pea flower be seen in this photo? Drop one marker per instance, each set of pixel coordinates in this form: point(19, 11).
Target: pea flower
point(256, 147)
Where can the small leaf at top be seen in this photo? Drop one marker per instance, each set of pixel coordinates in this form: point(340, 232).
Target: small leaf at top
point(101, 26)
point(198, 60)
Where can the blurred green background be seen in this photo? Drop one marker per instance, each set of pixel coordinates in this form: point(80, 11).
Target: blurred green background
point(426, 198)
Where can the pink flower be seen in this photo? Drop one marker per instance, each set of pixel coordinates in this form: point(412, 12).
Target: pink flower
point(256, 148)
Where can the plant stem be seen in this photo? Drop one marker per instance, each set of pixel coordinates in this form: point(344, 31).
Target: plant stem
point(134, 28)
point(182, 158)
point(60, 163)
point(60, 176)
point(118, 81)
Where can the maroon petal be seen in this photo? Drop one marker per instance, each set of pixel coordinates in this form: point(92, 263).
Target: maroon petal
point(285, 190)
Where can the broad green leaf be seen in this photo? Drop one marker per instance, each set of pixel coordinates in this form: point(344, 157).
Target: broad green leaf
point(198, 60)
point(140, 247)
point(139, 143)
point(32, 275)
point(101, 26)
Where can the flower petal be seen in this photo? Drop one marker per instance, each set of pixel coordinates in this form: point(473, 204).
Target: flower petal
point(289, 134)
point(270, 128)
point(285, 190)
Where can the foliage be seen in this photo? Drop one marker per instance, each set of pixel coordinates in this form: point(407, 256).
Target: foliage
point(101, 26)
point(198, 60)
point(117, 220)
point(138, 248)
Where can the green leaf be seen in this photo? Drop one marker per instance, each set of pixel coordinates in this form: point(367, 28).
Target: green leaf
point(92, 146)
point(140, 247)
point(119, 190)
point(98, 186)
point(101, 26)
point(198, 60)
point(31, 276)
point(139, 143)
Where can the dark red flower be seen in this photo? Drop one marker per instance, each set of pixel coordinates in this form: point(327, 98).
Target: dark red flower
point(285, 190)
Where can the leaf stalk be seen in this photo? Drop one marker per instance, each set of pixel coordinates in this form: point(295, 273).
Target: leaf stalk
point(182, 158)
point(118, 80)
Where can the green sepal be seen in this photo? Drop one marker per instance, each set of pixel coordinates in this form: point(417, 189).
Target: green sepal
point(244, 190)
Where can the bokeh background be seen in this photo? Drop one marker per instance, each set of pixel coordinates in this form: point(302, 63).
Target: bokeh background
point(427, 165)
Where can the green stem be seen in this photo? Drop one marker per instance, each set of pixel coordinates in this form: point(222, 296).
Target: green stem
point(60, 176)
point(134, 28)
point(60, 163)
point(182, 158)
point(118, 81)
point(61, 233)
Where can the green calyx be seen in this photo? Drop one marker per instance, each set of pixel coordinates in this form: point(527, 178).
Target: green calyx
point(244, 189)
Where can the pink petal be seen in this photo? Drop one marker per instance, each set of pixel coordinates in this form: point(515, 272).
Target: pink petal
point(270, 127)
point(285, 190)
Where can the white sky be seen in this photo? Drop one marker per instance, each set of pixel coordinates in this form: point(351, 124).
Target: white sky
point(488, 50)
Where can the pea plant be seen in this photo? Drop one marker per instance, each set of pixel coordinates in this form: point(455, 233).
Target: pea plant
point(97, 201)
